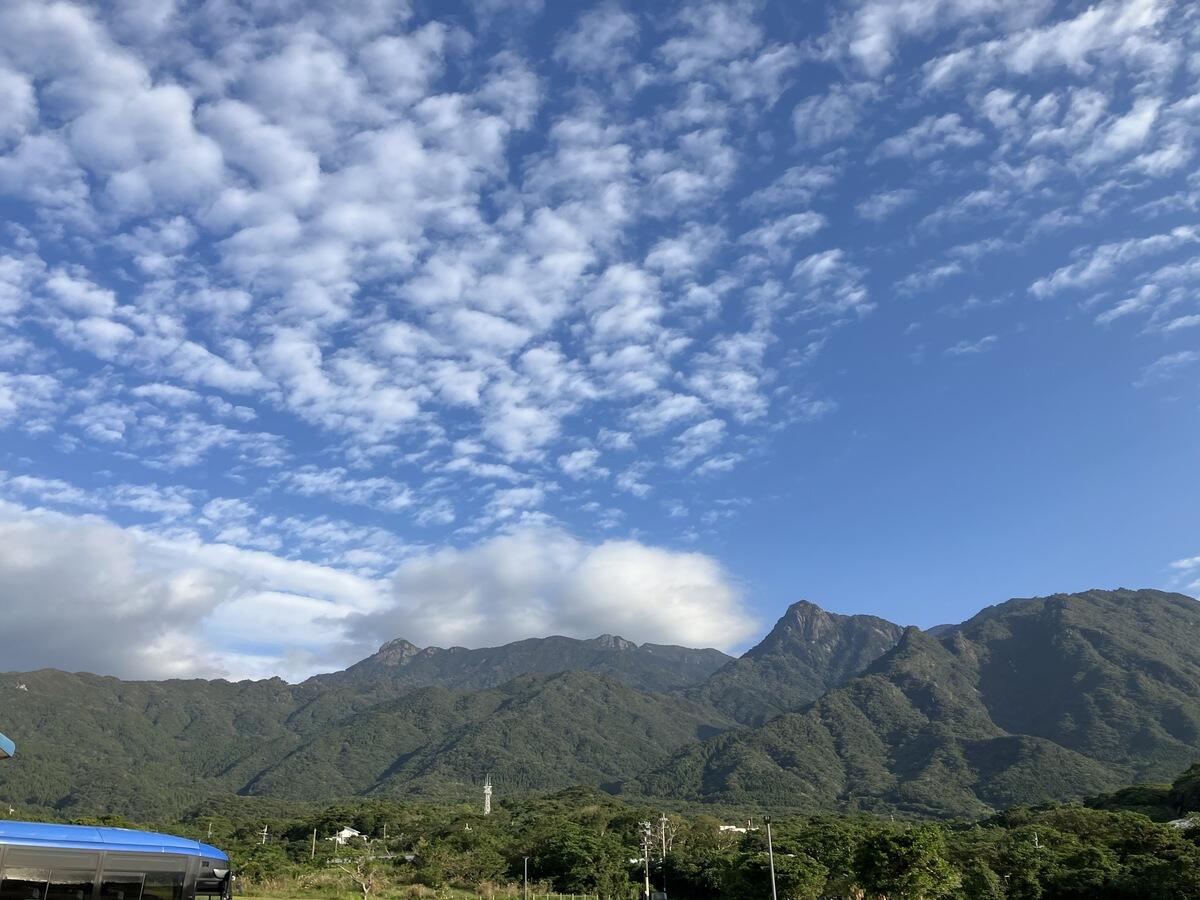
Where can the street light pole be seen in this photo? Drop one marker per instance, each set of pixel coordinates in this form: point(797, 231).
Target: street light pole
point(771, 857)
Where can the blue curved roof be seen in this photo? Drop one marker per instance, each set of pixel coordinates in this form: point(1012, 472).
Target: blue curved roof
point(87, 837)
point(7, 747)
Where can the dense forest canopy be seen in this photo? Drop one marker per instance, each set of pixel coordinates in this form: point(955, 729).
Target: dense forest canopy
point(1133, 843)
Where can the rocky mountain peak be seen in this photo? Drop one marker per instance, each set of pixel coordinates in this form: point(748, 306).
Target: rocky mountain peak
point(614, 642)
point(396, 652)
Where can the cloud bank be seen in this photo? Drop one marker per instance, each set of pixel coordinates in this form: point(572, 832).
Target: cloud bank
point(83, 594)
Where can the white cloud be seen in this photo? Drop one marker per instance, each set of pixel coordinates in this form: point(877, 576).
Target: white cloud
point(547, 582)
point(932, 136)
point(144, 606)
point(79, 295)
point(1166, 367)
point(882, 205)
point(780, 236)
point(1125, 134)
point(338, 485)
point(1188, 568)
point(830, 283)
point(973, 348)
point(825, 118)
point(18, 105)
point(405, 65)
point(27, 399)
point(582, 464)
point(712, 33)
point(696, 441)
point(1113, 33)
point(600, 41)
point(667, 409)
point(1097, 264)
point(798, 186)
point(877, 27)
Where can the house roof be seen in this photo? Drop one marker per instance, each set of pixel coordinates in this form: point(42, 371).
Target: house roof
point(7, 747)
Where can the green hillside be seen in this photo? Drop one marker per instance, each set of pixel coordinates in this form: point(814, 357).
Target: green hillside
point(1035, 700)
point(807, 652)
point(148, 750)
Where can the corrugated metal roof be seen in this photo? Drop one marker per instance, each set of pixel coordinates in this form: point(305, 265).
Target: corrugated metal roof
point(86, 837)
point(7, 747)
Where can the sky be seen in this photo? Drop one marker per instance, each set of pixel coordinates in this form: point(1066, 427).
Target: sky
point(327, 323)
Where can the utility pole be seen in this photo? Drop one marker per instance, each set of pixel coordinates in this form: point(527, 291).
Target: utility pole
point(662, 825)
point(525, 883)
point(264, 834)
point(313, 854)
point(487, 795)
point(210, 829)
point(646, 829)
point(771, 857)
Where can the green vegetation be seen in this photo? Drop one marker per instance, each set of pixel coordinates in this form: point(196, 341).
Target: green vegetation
point(1033, 701)
point(584, 842)
point(97, 745)
point(1184, 795)
point(807, 652)
point(648, 667)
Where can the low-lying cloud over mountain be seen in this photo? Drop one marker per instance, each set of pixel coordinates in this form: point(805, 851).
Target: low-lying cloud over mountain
point(80, 593)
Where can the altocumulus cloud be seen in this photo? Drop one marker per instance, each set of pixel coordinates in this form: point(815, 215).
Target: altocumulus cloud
point(81, 593)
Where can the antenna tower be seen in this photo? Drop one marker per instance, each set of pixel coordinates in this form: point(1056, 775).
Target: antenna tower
point(487, 795)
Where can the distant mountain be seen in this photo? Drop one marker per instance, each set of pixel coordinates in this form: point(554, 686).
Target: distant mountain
point(1037, 699)
point(807, 652)
point(535, 733)
point(648, 667)
point(151, 749)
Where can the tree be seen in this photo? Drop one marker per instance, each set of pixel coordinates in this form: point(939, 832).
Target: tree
point(833, 842)
point(907, 865)
point(1185, 792)
point(979, 882)
point(700, 872)
point(364, 870)
point(257, 863)
point(797, 877)
point(581, 861)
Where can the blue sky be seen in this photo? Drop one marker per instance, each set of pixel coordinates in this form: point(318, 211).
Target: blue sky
point(327, 323)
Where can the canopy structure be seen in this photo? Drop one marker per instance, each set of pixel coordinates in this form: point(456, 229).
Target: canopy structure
point(7, 747)
point(88, 837)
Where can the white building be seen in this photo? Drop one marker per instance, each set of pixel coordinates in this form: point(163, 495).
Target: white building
point(345, 836)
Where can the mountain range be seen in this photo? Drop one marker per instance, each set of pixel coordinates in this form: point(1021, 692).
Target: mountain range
point(1035, 699)
point(647, 667)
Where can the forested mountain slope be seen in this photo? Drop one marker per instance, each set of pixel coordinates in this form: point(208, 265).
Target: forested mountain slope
point(1037, 699)
point(807, 652)
point(148, 749)
point(648, 667)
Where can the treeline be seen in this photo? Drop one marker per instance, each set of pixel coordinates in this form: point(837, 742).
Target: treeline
point(583, 841)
